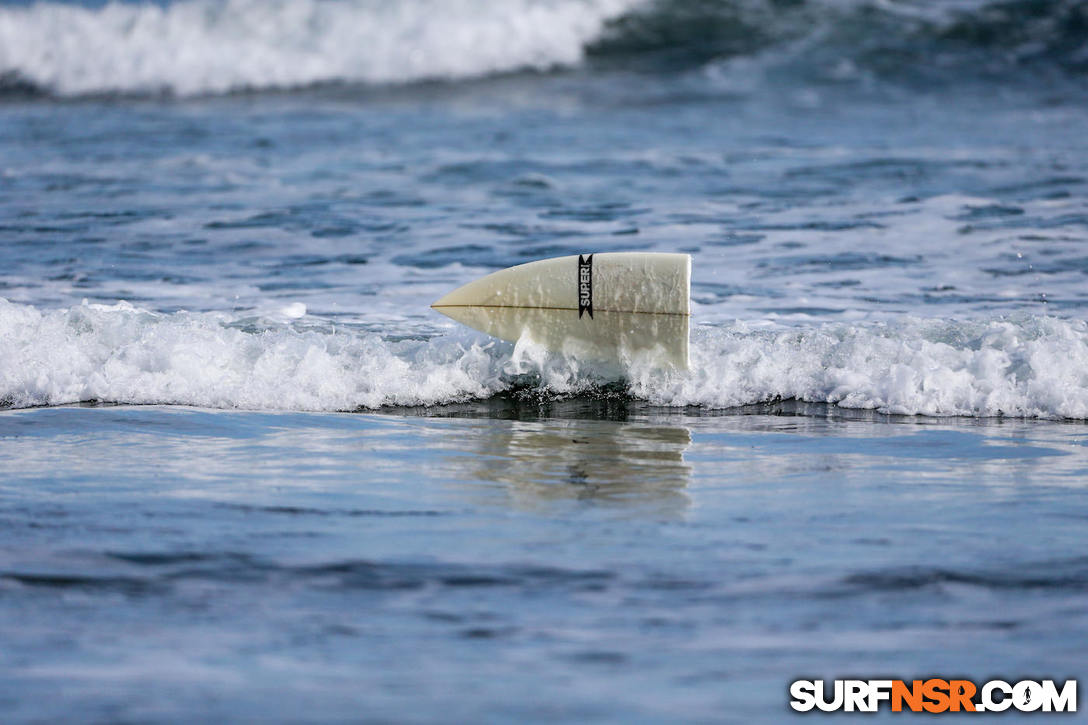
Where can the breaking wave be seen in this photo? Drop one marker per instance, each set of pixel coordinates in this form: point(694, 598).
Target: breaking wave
point(1027, 367)
point(191, 47)
point(203, 46)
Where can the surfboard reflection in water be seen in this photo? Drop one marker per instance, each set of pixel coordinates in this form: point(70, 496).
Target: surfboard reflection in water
point(604, 461)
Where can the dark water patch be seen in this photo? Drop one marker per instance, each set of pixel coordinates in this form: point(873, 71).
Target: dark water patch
point(1036, 266)
point(688, 217)
point(1040, 188)
point(257, 221)
point(157, 572)
point(134, 248)
point(683, 34)
point(527, 231)
point(310, 511)
point(132, 586)
point(1060, 575)
point(478, 580)
point(248, 245)
point(489, 632)
point(675, 584)
point(779, 196)
point(599, 657)
point(470, 255)
point(531, 191)
point(505, 170)
point(1000, 625)
point(38, 228)
point(333, 232)
point(533, 181)
point(390, 198)
point(990, 211)
point(315, 260)
point(121, 216)
point(843, 261)
point(977, 41)
point(819, 226)
point(370, 575)
point(895, 170)
point(72, 181)
point(168, 558)
point(478, 171)
point(607, 211)
point(16, 87)
point(296, 285)
point(302, 260)
point(1024, 31)
point(383, 227)
point(1026, 222)
point(137, 274)
point(947, 296)
point(734, 239)
point(838, 283)
point(315, 218)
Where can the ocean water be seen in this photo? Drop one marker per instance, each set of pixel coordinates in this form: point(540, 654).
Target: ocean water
point(247, 474)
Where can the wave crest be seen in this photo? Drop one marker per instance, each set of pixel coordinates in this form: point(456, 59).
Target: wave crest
point(191, 47)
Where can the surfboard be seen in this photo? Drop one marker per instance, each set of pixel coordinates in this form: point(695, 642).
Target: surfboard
point(611, 306)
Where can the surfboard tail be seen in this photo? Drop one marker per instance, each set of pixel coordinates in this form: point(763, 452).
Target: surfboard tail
point(608, 306)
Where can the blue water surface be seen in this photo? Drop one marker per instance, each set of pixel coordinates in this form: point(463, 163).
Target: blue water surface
point(170, 564)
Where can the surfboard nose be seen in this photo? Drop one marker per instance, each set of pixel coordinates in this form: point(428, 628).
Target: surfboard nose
point(493, 290)
point(447, 300)
point(442, 305)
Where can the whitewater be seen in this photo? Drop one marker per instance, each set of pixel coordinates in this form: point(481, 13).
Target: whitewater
point(1032, 367)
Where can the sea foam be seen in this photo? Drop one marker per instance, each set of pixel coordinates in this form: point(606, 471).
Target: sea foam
point(1029, 366)
point(203, 46)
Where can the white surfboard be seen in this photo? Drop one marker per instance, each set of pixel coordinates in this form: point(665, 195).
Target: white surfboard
point(613, 306)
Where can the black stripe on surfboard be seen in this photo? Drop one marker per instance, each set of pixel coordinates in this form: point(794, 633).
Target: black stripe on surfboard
point(585, 285)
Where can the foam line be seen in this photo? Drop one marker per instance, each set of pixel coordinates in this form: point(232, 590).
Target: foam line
point(1029, 366)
